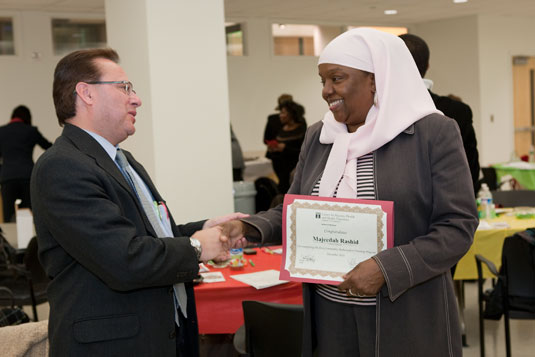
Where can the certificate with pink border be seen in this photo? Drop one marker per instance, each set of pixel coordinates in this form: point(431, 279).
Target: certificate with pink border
point(324, 238)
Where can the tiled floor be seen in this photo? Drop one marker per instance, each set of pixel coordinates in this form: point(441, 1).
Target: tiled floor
point(522, 331)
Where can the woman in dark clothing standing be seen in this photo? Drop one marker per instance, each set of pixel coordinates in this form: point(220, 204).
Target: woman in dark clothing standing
point(285, 154)
point(17, 140)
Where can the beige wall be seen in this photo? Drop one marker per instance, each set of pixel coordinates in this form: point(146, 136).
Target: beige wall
point(470, 57)
point(500, 38)
point(26, 80)
point(256, 81)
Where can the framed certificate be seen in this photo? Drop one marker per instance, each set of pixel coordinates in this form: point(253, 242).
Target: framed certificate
point(324, 238)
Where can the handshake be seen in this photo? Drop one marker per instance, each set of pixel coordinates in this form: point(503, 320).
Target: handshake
point(221, 234)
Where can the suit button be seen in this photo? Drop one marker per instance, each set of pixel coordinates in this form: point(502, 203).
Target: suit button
point(170, 291)
point(172, 335)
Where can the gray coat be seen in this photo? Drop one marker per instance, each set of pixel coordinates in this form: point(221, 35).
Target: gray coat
point(424, 172)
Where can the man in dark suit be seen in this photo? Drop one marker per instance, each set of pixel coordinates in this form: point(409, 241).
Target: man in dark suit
point(120, 270)
point(449, 105)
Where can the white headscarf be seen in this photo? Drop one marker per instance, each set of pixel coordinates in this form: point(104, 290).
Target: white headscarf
point(402, 99)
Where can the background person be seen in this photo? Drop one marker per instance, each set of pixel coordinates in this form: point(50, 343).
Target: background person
point(450, 105)
point(17, 140)
point(285, 150)
point(383, 139)
point(238, 163)
point(273, 124)
point(120, 268)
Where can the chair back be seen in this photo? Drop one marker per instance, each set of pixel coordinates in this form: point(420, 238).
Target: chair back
point(273, 329)
point(266, 190)
point(32, 263)
point(514, 198)
point(518, 261)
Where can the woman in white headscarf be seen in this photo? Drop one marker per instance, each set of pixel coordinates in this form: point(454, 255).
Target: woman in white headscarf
point(383, 139)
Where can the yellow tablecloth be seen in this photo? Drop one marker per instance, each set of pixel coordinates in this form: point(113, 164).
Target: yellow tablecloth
point(489, 244)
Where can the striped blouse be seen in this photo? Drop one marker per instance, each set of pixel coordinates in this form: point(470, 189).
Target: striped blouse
point(365, 191)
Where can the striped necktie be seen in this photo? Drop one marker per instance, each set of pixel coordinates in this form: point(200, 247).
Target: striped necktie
point(180, 296)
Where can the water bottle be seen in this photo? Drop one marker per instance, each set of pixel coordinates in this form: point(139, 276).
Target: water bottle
point(486, 204)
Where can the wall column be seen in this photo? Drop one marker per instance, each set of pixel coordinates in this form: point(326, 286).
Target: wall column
point(174, 53)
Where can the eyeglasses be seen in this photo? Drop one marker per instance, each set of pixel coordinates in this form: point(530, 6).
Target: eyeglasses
point(127, 86)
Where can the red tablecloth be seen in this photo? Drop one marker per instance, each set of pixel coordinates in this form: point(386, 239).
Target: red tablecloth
point(219, 307)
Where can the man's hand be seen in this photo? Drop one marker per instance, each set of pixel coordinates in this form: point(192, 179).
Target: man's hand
point(222, 219)
point(234, 231)
point(366, 279)
point(213, 244)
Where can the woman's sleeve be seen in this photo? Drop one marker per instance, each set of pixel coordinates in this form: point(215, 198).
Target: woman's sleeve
point(42, 141)
point(453, 218)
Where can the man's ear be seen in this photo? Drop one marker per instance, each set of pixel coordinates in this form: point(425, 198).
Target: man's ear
point(83, 91)
point(372, 78)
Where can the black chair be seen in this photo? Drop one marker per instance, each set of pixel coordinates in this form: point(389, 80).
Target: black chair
point(514, 198)
point(514, 293)
point(270, 329)
point(27, 279)
point(266, 191)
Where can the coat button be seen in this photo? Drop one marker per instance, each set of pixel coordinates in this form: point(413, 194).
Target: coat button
point(170, 291)
point(172, 335)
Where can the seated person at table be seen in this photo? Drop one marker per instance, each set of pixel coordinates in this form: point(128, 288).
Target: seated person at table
point(383, 139)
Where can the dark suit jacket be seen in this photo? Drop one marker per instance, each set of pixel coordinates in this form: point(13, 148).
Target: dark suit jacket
point(111, 288)
point(462, 114)
point(17, 141)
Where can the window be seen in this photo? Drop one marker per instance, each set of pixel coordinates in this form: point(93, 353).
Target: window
point(309, 40)
point(69, 35)
point(234, 35)
point(7, 46)
point(524, 104)
point(393, 30)
point(293, 40)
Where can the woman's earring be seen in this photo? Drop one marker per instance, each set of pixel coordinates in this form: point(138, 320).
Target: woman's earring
point(375, 100)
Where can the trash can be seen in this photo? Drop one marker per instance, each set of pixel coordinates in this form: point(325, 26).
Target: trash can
point(244, 197)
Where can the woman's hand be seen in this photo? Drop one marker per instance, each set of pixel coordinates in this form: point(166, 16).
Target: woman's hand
point(212, 222)
point(366, 279)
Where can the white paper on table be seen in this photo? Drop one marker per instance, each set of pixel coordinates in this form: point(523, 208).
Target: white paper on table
point(212, 277)
point(25, 228)
point(261, 279)
point(203, 268)
point(483, 225)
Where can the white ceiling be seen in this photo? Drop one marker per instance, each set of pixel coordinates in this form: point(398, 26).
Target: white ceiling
point(348, 12)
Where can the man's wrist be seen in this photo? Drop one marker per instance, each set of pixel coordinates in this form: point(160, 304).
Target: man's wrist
point(196, 244)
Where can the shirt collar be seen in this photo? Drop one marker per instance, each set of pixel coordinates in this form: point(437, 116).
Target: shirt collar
point(428, 83)
point(106, 145)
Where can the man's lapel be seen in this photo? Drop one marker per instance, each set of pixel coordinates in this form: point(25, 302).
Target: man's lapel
point(89, 146)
